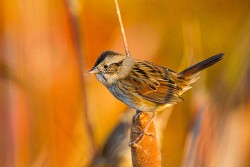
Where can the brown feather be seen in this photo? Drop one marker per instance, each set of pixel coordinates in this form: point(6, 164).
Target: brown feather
point(200, 66)
point(154, 86)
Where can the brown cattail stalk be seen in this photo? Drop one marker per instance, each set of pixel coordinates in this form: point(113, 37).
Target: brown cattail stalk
point(146, 151)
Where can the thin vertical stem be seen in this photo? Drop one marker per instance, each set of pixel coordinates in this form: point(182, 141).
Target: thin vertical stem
point(73, 14)
point(122, 28)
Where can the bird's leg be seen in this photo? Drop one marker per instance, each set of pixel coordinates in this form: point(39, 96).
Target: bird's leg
point(143, 132)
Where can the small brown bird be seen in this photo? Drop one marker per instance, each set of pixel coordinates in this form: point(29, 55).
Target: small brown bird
point(143, 85)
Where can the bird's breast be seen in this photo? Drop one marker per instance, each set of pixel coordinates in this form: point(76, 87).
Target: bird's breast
point(133, 100)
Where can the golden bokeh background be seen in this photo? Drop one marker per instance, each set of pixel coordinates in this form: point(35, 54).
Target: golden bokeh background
point(52, 113)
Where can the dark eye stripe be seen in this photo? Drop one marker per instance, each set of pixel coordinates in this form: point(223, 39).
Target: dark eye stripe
point(118, 64)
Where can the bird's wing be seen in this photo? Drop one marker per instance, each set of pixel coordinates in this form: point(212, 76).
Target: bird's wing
point(156, 85)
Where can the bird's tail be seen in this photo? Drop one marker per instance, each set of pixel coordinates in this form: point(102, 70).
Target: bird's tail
point(190, 75)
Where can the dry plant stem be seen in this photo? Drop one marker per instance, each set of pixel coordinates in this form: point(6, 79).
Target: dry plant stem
point(122, 28)
point(73, 16)
point(146, 152)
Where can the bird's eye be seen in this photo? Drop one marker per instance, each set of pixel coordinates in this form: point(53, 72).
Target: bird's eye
point(105, 66)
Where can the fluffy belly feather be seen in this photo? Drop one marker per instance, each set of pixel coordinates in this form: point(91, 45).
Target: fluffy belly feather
point(135, 101)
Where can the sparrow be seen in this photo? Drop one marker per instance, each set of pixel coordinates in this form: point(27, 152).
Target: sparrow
point(143, 85)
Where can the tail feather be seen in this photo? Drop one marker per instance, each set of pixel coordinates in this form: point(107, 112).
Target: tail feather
point(200, 66)
point(191, 74)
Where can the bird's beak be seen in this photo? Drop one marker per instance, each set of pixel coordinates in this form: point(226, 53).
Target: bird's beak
point(94, 70)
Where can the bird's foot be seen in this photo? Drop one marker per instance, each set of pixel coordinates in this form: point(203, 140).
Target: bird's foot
point(139, 138)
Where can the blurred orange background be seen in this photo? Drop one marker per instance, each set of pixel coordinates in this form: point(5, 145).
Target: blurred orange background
point(52, 113)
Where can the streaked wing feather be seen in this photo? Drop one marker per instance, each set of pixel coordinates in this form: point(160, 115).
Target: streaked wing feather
point(156, 86)
point(164, 93)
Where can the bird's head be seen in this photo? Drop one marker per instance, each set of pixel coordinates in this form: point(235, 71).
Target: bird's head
point(112, 66)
